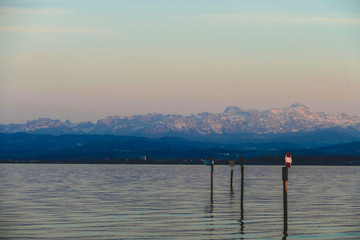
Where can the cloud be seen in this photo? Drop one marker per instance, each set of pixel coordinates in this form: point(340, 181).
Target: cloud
point(50, 30)
point(292, 19)
point(27, 1)
point(34, 11)
point(355, 21)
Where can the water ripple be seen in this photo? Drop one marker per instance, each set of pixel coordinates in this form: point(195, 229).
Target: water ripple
point(174, 202)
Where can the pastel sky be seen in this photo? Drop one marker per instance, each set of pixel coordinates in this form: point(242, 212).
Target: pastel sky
point(88, 59)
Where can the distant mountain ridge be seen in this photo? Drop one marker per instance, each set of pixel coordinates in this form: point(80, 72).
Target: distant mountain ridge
point(233, 121)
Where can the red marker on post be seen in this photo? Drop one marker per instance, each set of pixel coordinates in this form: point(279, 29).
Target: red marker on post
point(288, 160)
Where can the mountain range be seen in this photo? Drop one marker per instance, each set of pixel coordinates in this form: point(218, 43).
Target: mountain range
point(234, 121)
point(264, 136)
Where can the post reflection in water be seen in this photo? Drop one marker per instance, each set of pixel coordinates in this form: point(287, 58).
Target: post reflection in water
point(212, 211)
point(232, 195)
point(285, 231)
point(242, 225)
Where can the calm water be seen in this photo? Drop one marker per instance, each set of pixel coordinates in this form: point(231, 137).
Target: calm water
point(174, 202)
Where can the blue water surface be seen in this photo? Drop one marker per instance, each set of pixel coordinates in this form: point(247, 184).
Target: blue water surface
point(45, 201)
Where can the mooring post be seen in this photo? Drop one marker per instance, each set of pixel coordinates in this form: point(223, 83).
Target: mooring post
point(285, 177)
point(232, 165)
point(242, 187)
point(212, 177)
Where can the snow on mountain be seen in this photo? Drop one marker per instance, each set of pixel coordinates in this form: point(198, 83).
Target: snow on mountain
point(233, 120)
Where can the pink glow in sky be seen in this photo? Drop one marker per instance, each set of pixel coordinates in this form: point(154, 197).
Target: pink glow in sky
point(70, 60)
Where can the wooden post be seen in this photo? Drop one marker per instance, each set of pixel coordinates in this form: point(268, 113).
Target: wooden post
point(285, 177)
point(212, 178)
point(231, 178)
point(232, 165)
point(242, 187)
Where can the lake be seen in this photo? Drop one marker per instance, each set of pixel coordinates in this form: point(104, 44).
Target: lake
point(39, 201)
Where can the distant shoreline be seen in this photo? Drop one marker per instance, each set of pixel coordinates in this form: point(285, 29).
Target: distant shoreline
point(263, 160)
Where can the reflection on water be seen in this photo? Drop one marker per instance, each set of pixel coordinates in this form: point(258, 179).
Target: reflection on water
point(172, 202)
point(242, 224)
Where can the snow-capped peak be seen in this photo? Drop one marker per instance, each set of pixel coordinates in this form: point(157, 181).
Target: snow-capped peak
point(233, 120)
point(296, 105)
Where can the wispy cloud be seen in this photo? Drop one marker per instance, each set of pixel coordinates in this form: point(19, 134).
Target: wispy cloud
point(355, 21)
point(34, 11)
point(226, 18)
point(51, 30)
point(27, 1)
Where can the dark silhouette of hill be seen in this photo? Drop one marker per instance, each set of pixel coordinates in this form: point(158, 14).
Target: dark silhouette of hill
point(22, 147)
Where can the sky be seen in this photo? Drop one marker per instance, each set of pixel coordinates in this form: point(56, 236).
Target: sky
point(87, 59)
